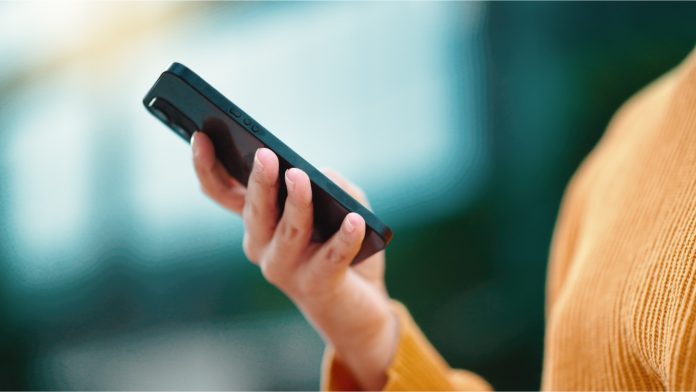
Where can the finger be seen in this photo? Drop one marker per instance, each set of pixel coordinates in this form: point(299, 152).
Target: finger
point(294, 229)
point(215, 182)
point(347, 186)
point(340, 250)
point(260, 209)
point(371, 268)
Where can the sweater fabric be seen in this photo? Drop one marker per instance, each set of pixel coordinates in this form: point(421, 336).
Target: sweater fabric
point(621, 289)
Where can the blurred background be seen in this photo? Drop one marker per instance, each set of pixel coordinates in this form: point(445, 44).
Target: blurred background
point(462, 121)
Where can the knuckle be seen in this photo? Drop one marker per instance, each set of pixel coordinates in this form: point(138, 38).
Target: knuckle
point(289, 231)
point(250, 250)
point(271, 272)
point(335, 254)
point(331, 254)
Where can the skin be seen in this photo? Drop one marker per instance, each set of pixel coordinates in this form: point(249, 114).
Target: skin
point(348, 306)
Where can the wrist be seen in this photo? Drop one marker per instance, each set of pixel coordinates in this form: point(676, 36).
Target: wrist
point(352, 314)
point(374, 343)
point(359, 324)
point(370, 357)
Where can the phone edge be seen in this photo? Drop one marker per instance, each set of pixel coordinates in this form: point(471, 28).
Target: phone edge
point(266, 137)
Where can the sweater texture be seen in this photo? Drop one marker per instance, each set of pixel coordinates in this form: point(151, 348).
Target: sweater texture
point(621, 289)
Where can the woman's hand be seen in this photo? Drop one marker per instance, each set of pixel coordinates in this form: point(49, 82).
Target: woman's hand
point(349, 306)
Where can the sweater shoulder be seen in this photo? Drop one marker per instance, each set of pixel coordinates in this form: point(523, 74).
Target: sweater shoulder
point(622, 277)
point(638, 126)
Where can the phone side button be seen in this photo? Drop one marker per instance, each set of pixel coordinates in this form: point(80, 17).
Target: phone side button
point(247, 121)
point(255, 128)
point(236, 112)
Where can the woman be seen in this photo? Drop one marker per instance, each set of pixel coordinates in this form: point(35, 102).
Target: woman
point(621, 294)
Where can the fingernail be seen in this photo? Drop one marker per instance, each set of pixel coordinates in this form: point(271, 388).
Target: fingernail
point(193, 143)
point(351, 223)
point(257, 161)
point(290, 183)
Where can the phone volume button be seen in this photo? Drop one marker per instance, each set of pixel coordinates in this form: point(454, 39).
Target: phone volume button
point(255, 128)
point(236, 112)
point(247, 121)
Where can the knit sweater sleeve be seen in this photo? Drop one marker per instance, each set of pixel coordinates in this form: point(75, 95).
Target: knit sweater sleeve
point(416, 365)
point(680, 375)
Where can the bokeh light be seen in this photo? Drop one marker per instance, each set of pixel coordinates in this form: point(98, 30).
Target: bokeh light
point(462, 121)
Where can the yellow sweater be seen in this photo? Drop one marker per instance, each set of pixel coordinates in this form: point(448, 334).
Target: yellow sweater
point(621, 294)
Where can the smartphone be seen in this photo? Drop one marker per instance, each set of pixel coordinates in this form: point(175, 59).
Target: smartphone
point(184, 102)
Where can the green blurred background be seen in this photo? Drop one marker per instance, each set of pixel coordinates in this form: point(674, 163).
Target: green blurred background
point(462, 121)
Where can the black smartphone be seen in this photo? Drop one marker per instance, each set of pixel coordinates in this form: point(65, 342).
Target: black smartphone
point(185, 103)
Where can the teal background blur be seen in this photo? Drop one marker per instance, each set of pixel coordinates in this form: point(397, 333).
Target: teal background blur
point(462, 121)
